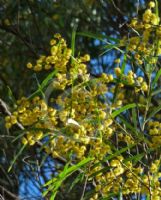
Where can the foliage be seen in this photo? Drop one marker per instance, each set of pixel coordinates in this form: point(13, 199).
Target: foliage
point(103, 129)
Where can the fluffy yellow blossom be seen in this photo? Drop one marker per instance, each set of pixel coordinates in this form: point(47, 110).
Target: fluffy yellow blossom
point(151, 4)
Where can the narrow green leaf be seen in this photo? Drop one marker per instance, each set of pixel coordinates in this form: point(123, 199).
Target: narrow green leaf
point(110, 47)
point(138, 134)
point(72, 169)
point(148, 197)
point(155, 111)
point(43, 84)
point(97, 36)
point(127, 124)
point(104, 52)
point(134, 118)
point(156, 78)
point(11, 96)
point(43, 159)
point(157, 91)
point(39, 86)
point(48, 78)
point(156, 8)
point(73, 40)
point(46, 191)
point(124, 64)
point(19, 133)
point(124, 108)
point(120, 197)
point(15, 158)
point(63, 174)
point(118, 152)
point(53, 195)
point(135, 158)
point(76, 180)
point(55, 189)
point(55, 183)
point(34, 94)
point(79, 165)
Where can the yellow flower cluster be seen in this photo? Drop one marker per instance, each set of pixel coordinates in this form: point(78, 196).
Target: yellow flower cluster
point(77, 72)
point(58, 58)
point(32, 137)
point(81, 119)
point(80, 122)
point(127, 177)
point(11, 120)
point(131, 79)
point(155, 133)
point(33, 114)
point(143, 46)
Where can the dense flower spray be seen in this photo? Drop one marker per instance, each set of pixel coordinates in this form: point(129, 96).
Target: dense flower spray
point(79, 121)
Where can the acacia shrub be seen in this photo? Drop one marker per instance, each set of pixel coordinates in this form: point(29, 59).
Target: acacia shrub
point(104, 129)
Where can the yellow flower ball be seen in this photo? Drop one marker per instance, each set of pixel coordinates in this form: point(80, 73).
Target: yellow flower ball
point(151, 4)
point(24, 141)
point(29, 65)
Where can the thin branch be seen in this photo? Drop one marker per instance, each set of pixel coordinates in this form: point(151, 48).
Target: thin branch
point(9, 193)
point(118, 9)
point(14, 30)
point(84, 188)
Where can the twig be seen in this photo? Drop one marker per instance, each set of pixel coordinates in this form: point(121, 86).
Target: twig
point(8, 192)
point(118, 9)
point(4, 106)
point(84, 188)
point(149, 188)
